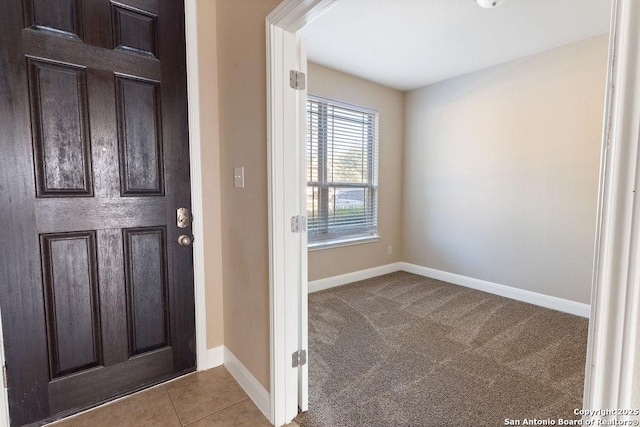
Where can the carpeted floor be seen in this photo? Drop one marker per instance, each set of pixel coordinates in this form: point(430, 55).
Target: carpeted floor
point(405, 350)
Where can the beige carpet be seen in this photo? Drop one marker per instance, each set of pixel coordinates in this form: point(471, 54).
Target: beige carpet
point(404, 350)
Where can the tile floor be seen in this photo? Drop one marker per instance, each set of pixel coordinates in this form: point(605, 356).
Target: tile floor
point(208, 398)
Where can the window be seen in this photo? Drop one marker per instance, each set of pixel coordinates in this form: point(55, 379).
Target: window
point(342, 167)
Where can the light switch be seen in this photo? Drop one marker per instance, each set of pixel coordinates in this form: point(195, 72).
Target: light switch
point(238, 177)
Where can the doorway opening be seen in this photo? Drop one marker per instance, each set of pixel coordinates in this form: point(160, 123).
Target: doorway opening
point(292, 20)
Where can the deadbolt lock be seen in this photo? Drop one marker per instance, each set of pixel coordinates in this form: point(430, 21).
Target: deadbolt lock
point(183, 218)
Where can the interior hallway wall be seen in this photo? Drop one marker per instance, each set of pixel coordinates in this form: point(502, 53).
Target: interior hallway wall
point(501, 171)
point(242, 108)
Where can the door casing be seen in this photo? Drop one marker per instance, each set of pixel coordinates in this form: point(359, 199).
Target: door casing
point(193, 97)
point(613, 362)
point(287, 188)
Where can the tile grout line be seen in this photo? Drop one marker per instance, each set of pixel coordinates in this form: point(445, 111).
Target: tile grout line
point(172, 405)
point(214, 412)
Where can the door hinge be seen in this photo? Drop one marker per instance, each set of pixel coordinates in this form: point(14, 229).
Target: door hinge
point(299, 358)
point(297, 80)
point(298, 224)
point(4, 376)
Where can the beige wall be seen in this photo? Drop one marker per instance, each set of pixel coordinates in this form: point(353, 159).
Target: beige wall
point(335, 85)
point(242, 111)
point(530, 209)
point(501, 171)
point(210, 161)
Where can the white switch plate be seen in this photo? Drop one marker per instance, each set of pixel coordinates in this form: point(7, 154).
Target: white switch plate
point(238, 177)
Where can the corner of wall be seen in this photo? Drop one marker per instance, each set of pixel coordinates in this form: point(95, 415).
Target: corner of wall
point(256, 391)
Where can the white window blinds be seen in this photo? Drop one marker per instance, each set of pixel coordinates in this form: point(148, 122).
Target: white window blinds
point(342, 166)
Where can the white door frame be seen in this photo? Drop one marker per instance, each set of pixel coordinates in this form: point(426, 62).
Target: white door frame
point(287, 272)
point(191, 39)
point(197, 225)
point(615, 315)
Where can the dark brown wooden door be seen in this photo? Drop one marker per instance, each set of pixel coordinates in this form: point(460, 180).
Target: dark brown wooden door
point(96, 292)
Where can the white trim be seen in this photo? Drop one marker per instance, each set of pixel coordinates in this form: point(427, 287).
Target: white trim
point(598, 244)
point(278, 327)
point(284, 170)
point(4, 397)
point(303, 278)
point(214, 357)
point(320, 245)
point(344, 279)
point(257, 393)
point(555, 303)
point(611, 354)
point(197, 226)
point(293, 15)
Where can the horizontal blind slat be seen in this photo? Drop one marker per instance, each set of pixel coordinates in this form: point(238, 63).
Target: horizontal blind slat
point(342, 170)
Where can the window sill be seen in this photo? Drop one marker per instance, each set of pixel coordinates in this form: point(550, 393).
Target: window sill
point(345, 241)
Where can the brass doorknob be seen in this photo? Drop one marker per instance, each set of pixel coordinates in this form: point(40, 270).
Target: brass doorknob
point(184, 240)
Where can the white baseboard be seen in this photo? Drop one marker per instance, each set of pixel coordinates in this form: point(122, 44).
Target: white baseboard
point(547, 301)
point(256, 391)
point(212, 358)
point(343, 279)
point(221, 355)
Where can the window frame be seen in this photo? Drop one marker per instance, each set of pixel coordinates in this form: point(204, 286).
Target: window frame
point(329, 239)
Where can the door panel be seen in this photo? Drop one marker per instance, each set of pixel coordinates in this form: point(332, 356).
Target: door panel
point(96, 293)
point(134, 30)
point(145, 255)
point(62, 15)
point(60, 123)
point(71, 301)
point(139, 133)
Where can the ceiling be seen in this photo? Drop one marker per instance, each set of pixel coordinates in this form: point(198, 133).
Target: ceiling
point(406, 44)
